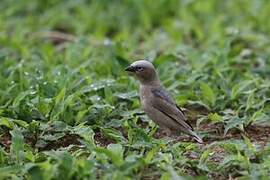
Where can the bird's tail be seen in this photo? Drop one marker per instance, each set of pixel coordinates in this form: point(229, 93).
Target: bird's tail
point(196, 137)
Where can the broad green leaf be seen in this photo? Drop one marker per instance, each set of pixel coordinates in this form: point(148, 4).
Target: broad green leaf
point(257, 117)
point(150, 155)
point(165, 176)
point(60, 97)
point(249, 144)
point(21, 123)
point(85, 132)
point(17, 145)
point(214, 117)
point(234, 122)
point(208, 94)
point(114, 134)
point(3, 156)
point(9, 171)
point(114, 152)
point(6, 122)
point(237, 89)
point(20, 97)
point(250, 101)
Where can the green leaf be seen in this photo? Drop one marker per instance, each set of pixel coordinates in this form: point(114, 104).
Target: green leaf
point(257, 117)
point(21, 123)
point(114, 152)
point(208, 94)
point(6, 122)
point(150, 155)
point(214, 117)
point(85, 132)
point(165, 176)
point(202, 164)
point(250, 101)
point(9, 171)
point(234, 122)
point(3, 156)
point(20, 97)
point(60, 97)
point(17, 143)
point(238, 88)
point(114, 134)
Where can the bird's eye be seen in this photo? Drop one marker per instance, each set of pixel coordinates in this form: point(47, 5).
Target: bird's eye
point(139, 69)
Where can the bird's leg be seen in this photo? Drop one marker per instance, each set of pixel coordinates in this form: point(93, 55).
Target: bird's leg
point(167, 132)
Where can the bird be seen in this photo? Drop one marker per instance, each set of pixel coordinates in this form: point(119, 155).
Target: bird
point(157, 103)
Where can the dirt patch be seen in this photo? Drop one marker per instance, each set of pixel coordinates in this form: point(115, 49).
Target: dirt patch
point(68, 139)
point(5, 141)
point(57, 38)
point(215, 132)
point(217, 176)
point(219, 154)
point(259, 134)
point(102, 140)
point(149, 173)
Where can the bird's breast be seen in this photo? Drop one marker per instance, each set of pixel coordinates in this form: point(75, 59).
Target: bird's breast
point(145, 96)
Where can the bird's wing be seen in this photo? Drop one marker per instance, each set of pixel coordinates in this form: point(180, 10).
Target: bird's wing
point(165, 96)
point(165, 104)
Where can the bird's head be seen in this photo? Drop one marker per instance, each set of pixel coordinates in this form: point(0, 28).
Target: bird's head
point(144, 71)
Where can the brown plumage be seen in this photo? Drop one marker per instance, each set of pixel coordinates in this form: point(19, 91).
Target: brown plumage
point(157, 103)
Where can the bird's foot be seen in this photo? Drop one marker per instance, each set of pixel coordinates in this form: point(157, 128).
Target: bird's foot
point(167, 132)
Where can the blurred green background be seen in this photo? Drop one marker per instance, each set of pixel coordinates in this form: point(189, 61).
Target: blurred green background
point(63, 87)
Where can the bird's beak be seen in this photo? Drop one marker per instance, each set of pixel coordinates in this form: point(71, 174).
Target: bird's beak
point(130, 69)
